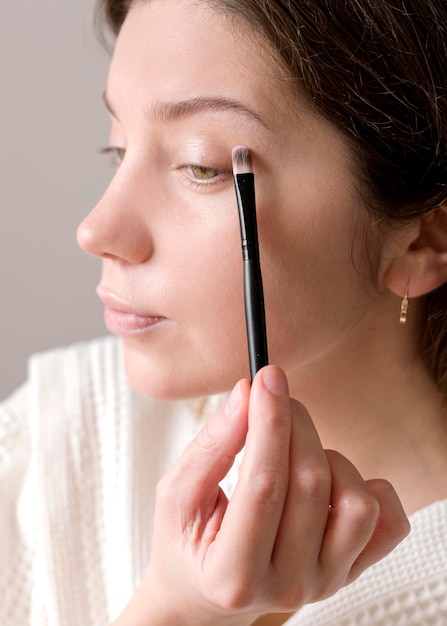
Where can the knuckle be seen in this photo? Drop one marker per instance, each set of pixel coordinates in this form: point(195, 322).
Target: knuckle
point(364, 508)
point(401, 529)
point(314, 481)
point(391, 510)
point(268, 486)
point(328, 588)
point(207, 438)
point(165, 490)
point(293, 597)
point(233, 597)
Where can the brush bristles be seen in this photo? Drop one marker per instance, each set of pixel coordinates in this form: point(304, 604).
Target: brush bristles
point(242, 163)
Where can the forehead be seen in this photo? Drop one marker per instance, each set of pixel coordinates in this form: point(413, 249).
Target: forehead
point(177, 49)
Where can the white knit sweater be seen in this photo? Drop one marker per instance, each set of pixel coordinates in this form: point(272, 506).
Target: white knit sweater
point(80, 455)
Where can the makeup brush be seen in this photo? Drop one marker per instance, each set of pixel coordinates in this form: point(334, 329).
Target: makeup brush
point(253, 290)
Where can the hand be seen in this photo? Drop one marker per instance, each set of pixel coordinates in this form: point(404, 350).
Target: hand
point(301, 523)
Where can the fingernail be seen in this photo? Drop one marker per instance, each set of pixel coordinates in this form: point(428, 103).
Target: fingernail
point(234, 400)
point(276, 382)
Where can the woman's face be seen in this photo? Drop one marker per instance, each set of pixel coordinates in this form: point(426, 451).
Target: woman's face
point(186, 85)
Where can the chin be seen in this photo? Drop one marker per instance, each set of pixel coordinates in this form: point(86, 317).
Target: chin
point(168, 378)
point(153, 380)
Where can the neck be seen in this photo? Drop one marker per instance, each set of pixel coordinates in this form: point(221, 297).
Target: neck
point(374, 401)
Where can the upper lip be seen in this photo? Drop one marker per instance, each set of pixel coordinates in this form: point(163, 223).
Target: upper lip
point(116, 302)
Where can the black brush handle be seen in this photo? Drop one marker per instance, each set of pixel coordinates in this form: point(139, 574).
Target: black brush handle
point(253, 290)
point(255, 315)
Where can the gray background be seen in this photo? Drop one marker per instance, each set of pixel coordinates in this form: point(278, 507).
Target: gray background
point(52, 124)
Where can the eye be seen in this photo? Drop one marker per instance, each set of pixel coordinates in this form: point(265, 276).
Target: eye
point(204, 178)
point(119, 154)
point(201, 172)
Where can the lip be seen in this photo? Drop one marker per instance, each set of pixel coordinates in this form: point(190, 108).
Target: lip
point(122, 318)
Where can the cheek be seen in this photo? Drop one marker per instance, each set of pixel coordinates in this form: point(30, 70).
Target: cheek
point(206, 267)
point(214, 301)
point(207, 286)
point(313, 293)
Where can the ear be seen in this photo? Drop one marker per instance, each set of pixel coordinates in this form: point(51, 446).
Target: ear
point(423, 266)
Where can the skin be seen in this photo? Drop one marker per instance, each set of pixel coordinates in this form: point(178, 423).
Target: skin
point(156, 223)
point(168, 234)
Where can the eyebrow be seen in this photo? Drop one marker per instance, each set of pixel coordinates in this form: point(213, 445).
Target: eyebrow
point(171, 111)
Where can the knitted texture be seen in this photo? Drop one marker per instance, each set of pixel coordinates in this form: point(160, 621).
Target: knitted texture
point(406, 588)
point(80, 456)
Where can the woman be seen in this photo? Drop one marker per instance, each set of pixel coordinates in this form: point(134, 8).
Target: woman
point(343, 108)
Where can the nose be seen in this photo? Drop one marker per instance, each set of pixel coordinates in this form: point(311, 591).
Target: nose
point(117, 226)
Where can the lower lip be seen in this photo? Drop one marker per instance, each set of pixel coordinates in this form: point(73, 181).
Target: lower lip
point(126, 324)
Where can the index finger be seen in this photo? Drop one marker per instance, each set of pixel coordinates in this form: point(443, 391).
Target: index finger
point(253, 515)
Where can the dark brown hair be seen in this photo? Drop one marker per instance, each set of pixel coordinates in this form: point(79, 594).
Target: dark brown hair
point(378, 70)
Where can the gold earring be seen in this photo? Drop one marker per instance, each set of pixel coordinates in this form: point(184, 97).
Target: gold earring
point(404, 308)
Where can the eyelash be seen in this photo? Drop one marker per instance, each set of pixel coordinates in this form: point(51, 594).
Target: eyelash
point(201, 184)
point(197, 183)
point(118, 153)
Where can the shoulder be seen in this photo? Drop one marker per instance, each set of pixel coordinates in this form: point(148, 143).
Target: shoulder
point(78, 415)
point(96, 360)
point(60, 382)
point(50, 374)
point(13, 427)
point(408, 586)
point(14, 464)
point(81, 391)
